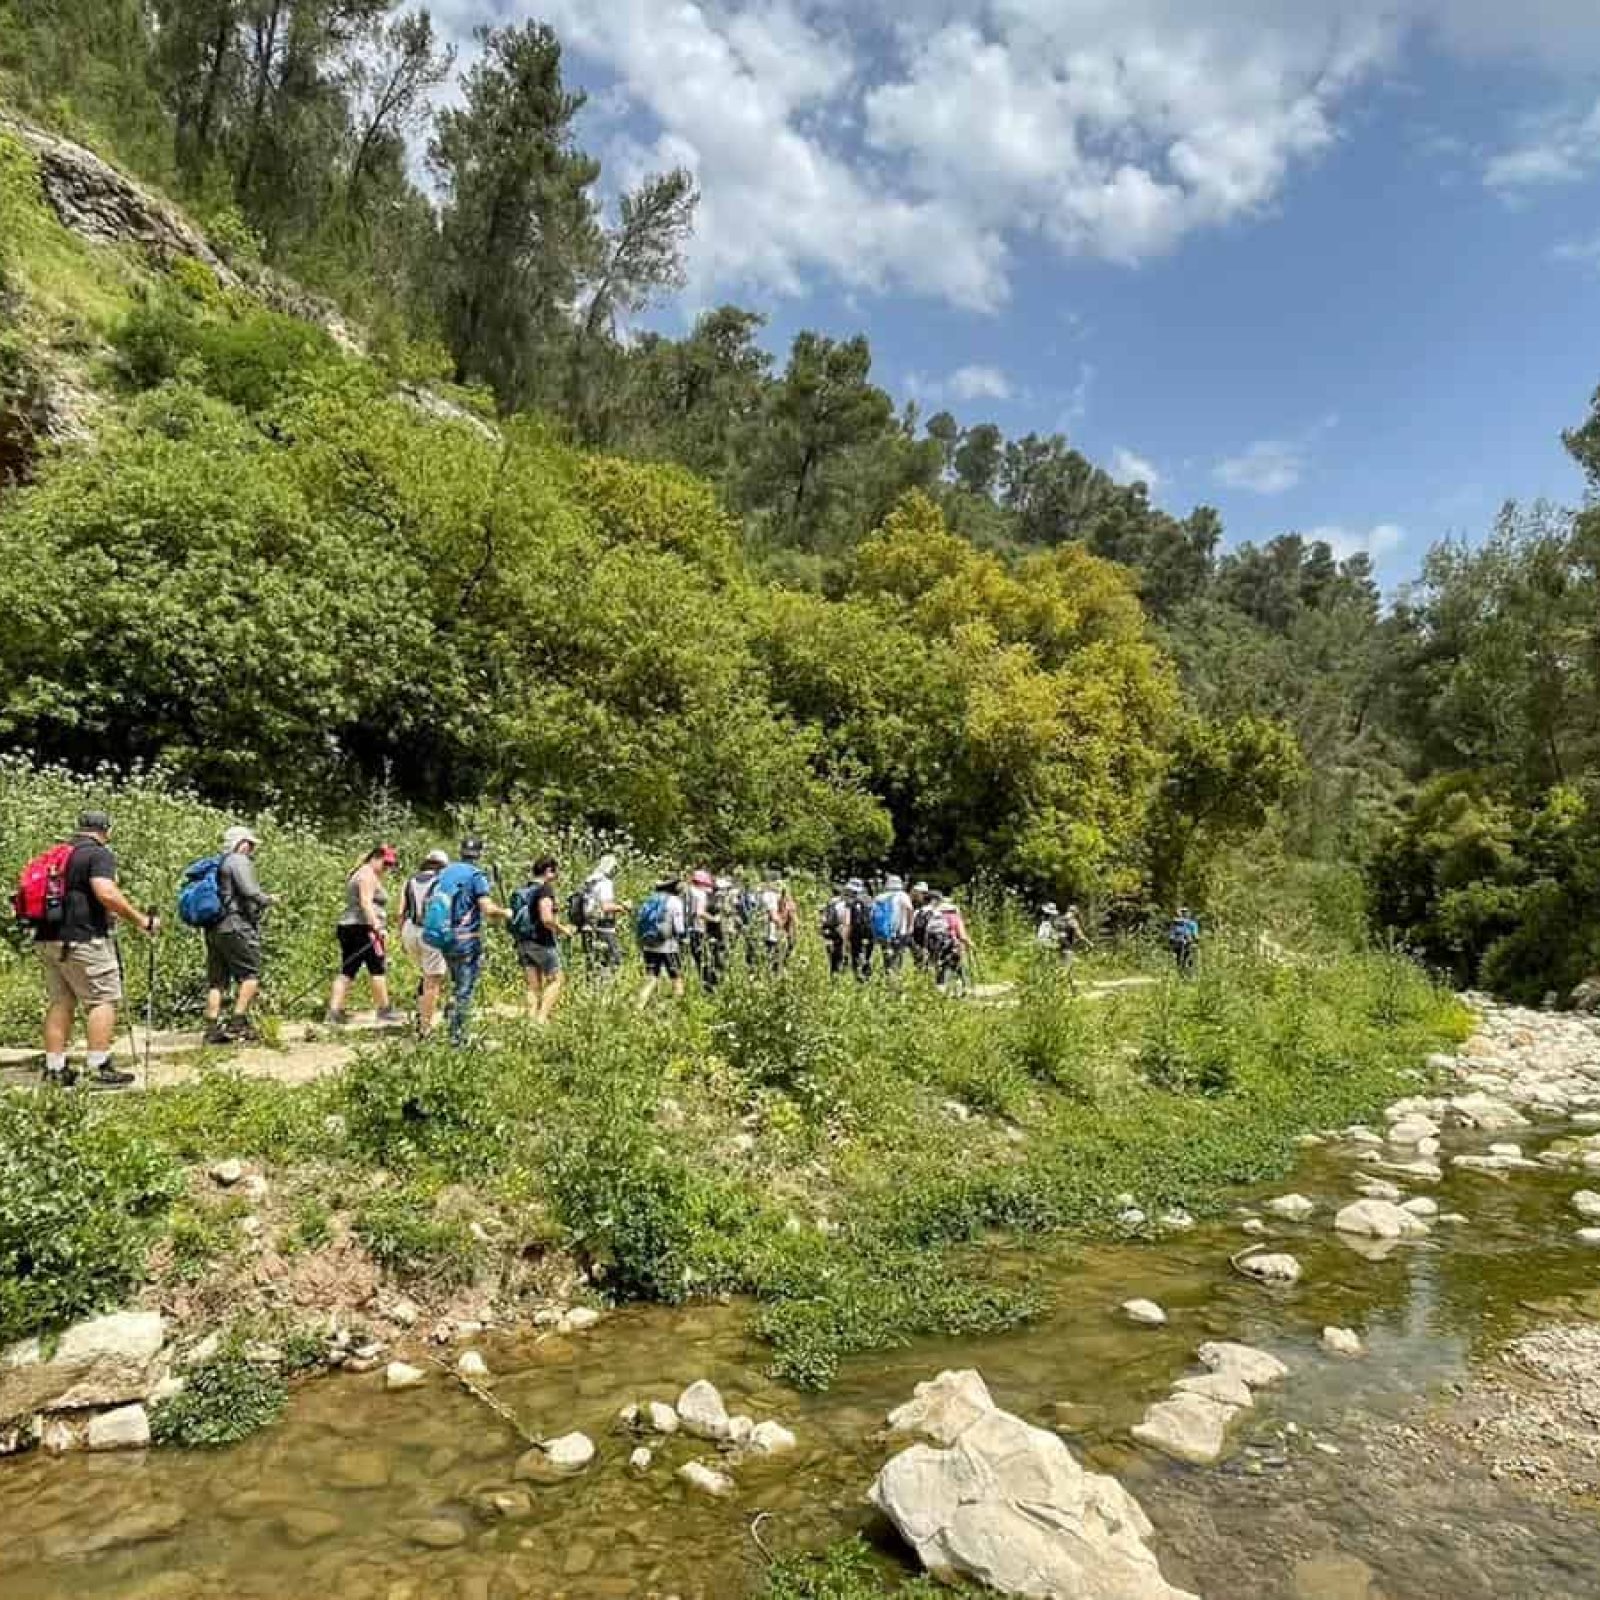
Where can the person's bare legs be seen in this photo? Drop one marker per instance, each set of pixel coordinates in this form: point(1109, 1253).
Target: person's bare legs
point(248, 990)
point(428, 1005)
point(380, 992)
point(553, 985)
point(101, 1026)
point(532, 981)
point(58, 1025)
point(677, 987)
point(340, 994)
point(213, 1004)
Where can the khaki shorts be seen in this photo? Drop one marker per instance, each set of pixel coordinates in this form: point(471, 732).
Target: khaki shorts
point(430, 960)
point(87, 973)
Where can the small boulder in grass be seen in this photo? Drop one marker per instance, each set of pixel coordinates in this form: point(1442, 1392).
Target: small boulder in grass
point(227, 1173)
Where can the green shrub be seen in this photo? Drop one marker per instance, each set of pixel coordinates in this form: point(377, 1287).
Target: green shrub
point(406, 1235)
point(848, 1571)
point(432, 1102)
point(223, 1400)
point(80, 1198)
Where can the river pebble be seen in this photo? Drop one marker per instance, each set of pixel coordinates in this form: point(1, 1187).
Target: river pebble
point(1342, 1342)
point(1144, 1312)
point(706, 1479)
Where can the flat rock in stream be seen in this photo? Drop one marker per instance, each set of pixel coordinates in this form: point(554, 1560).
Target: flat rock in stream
point(1291, 1207)
point(1486, 1113)
point(1379, 1219)
point(1223, 1387)
point(1342, 1342)
point(1188, 1427)
point(1275, 1267)
point(1146, 1313)
point(1254, 1367)
point(1587, 1204)
point(702, 1412)
point(1008, 1505)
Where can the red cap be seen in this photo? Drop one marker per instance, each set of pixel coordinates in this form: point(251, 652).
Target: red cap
point(703, 880)
point(390, 857)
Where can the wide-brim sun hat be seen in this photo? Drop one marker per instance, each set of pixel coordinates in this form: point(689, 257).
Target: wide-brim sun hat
point(894, 883)
point(1051, 909)
point(919, 887)
point(605, 866)
point(236, 836)
point(856, 886)
point(436, 858)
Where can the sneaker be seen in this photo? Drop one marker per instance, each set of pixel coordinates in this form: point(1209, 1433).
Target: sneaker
point(337, 1019)
point(242, 1030)
point(60, 1077)
point(218, 1033)
point(391, 1015)
point(108, 1076)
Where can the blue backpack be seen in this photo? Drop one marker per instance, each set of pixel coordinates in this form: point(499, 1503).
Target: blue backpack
point(200, 899)
point(448, 908)
point(885, 917)
point(653, 920)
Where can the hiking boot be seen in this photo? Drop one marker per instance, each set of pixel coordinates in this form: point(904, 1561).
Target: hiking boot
point(242, 1030)
point(218, 1033)
point(391, 1016)
point(337, 1019)
point(60, 1077)
point(108, 1076)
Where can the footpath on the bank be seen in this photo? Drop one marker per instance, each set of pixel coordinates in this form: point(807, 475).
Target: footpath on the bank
point(307, 1051)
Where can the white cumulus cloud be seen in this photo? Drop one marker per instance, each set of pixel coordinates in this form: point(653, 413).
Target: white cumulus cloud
point(1556, 149)
point(1127, 466)
point(1345, 542)
point(980, 383)
point(1269, 466)
point(916, 146)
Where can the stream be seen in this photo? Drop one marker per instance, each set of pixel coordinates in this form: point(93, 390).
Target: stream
point(1339, 1487)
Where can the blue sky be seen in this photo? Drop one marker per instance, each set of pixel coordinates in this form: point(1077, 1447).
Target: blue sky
point(1330, 265)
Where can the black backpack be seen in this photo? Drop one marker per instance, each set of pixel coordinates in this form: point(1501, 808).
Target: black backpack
point(578, 907)
point(861, 921)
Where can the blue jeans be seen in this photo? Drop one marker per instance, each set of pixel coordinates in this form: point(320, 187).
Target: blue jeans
point(466, 967)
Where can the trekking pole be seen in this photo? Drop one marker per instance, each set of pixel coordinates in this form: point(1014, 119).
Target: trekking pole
point(317, 983)
point(150, 1002)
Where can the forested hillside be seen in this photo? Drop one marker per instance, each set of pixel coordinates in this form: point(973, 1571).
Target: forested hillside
point(504, 544)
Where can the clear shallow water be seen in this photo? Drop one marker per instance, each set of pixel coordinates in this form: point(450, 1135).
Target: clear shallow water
point(1277, 1519)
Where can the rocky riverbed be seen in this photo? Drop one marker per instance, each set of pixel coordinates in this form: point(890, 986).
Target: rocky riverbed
point(1414, 1413)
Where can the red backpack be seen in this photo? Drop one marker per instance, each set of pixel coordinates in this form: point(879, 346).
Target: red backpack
point(41, 895)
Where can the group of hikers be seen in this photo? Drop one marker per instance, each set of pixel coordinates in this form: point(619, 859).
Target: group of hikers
point(69, 897)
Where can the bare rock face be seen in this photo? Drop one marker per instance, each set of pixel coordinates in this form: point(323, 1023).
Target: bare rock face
point(106, 1361)
point(1007, 1504)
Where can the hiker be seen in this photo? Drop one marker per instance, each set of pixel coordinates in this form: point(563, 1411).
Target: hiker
point(233, 942)
point(720, 916)
point(452, 922)
point(660, 926)
point(1183, 940)
point(747, 916)
point(696, 905)
point(1063, 933)
point(860, 929)
point(1048, 934)
point(361, 935)
point(924, 902)
point(431, 962)
point(892, 915)
point(780, 924)
point(69, 895)
point(834, 925)
point(538, 932)
point(949, 945)
point(593, 910)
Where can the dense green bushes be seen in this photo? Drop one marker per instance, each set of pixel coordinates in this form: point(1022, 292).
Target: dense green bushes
point(79, 1199)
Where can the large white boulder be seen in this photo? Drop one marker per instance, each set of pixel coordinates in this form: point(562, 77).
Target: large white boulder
point(103, 1362)
point(1007, 1504)
point(944, 1408)
point(1379, 1219)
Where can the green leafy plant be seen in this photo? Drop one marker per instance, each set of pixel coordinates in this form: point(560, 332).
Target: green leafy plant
point(223, 1400)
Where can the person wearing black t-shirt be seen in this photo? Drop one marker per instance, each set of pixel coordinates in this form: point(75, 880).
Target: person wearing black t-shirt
point(80, 958)
point(540, 951)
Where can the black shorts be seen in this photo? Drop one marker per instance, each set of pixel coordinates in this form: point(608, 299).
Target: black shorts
point(545, 958)
point(663, 964)
point(231, 957)
point(358, 953)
